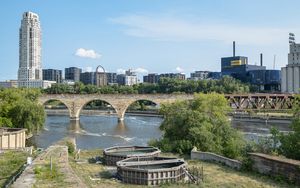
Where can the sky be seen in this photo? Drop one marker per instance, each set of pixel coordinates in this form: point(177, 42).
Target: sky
point(150, 36)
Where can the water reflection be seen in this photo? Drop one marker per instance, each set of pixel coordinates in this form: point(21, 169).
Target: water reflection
point(121, 128)
point(75, 127)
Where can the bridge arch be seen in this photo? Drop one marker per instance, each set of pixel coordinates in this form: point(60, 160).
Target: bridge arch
point(122, 114)
point(86, 102)
point(44, 103)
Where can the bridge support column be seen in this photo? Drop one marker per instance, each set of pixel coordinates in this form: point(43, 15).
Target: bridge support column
point(121, 114)
point(74, 118)
point(120, 119)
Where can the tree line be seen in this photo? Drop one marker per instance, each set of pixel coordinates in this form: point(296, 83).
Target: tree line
point(226, 85)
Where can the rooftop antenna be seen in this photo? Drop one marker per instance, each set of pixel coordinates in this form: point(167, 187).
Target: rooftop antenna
point(292, 38)
point(274, 61)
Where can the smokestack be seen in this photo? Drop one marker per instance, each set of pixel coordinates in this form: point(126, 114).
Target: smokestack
point(233, 48)
point(261, 59)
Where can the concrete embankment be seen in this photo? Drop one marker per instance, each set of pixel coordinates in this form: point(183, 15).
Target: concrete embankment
point(259, 119)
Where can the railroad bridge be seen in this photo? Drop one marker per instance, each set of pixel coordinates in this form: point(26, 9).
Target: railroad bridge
point(120, 102)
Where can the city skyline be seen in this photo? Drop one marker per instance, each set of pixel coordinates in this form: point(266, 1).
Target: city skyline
point(170, 36)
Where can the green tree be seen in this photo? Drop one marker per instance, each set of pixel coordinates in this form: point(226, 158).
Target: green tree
point(290, 143)
point(19, 108)
point(201, 122)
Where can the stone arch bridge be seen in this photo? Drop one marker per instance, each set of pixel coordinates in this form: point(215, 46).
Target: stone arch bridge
point(120, 102)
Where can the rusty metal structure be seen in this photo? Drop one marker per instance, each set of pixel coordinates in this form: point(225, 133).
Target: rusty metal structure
point(260, 101)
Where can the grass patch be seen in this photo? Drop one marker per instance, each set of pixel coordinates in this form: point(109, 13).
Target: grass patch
point(46, 174)
point(215, 175)
point(10, 163)
point(45, 177)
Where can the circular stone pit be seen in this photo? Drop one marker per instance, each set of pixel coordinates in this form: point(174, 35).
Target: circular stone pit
point(114, 154)
point(151, 170)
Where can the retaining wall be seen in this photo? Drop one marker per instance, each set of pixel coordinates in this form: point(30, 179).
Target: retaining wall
point(12, 138)
point(207, 156)
point(276, 166)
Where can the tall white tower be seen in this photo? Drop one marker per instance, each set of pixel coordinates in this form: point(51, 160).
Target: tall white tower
point(30, 66)
point(290, 75)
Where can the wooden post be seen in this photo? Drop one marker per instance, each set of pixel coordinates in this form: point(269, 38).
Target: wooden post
point(202, 174)
point(51, 163)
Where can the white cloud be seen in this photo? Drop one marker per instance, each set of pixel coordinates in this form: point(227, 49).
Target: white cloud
point(179, 69)
point(81, 52)
point(140, 70)
point(169, 28)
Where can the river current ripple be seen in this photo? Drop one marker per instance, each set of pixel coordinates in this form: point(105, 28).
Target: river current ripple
point(104, 131)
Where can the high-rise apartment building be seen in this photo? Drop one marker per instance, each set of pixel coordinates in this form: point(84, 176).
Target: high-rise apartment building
point(30, 65)
point(88, 78)
point(179, 76)
point(52, 75)
point(151, 78)
point(111, 78)
point(290, 75)
point(73, 73)
point(128, 79)
point(200, 75)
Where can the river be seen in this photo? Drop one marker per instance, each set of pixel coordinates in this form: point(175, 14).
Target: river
point(105, 131)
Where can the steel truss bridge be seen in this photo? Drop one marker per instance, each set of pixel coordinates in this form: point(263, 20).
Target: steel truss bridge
point(260, 101)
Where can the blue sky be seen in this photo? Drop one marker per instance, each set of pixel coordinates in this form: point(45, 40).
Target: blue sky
point(150, 35)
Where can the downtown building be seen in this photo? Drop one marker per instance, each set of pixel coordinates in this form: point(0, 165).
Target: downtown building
point(179, 76)
point(52, 75)
point(262, 79)
point(111, 78)
point(154, 78)
point(73, 74)
point(88, 78)
point(205, 75)
point(151, 78)
point(127, 79)
point(199, 75)
point(290, 82)
point(9, 84)
point(30, 65)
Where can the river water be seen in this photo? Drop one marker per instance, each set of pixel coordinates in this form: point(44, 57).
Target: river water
point(105, 131)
